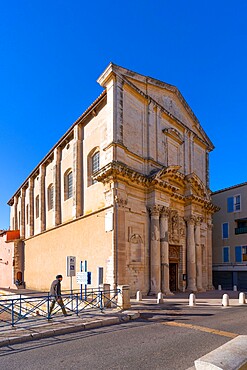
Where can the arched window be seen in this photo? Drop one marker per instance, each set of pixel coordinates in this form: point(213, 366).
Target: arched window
point(68, 184)
point(93, 164)
point(37, 206)
point(50, 197)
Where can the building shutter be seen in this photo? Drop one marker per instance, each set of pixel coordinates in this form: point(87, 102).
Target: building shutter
point(230, 204)
point(238, 254)
point(226, 254)
point(225, 230)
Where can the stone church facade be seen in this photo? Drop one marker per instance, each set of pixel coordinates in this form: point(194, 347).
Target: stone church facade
point(125, 188)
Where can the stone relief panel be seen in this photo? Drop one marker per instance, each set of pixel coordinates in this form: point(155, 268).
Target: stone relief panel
point(174, 252)
point(136, 248)
point(173, 227)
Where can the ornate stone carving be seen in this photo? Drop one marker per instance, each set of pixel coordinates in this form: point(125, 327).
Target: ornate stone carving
point(173, 227)
point(174, 252)
point(155, 210)
point(182, 227)
point(164, 211)
point(121, 202)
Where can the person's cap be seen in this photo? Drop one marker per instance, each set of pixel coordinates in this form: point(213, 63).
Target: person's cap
point(59, 276)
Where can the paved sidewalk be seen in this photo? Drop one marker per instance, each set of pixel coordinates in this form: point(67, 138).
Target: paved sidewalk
point(30, 329)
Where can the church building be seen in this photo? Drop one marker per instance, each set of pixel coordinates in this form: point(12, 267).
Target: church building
point(126, 188)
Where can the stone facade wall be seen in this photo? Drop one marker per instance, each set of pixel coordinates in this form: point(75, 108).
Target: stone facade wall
point(145, 214)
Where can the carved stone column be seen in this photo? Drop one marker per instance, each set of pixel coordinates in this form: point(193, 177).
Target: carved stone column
point(155, 251)
point(31, 207)
point(191, 254)
point(198, 254)
point(42, 198)
point(209, 250)
point(164, 246)
point(23, 202)
point(57, 186)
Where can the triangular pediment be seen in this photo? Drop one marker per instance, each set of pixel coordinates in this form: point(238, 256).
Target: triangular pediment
point(167, 96)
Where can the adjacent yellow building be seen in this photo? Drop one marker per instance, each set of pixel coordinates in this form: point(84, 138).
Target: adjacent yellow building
point(125, 188)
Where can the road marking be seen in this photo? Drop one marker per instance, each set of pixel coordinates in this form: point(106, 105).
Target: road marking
point(202, 328)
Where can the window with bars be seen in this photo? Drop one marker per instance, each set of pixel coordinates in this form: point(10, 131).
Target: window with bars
point(37, 206)
point(68, 185)
point(95, 164)
point(50, 197)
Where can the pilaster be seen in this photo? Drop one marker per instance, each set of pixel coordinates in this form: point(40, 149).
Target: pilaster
point(77, 172)
point(23, 201)
point(31, 206)
point(15, 212)
point(42, 198)
point(57, 186)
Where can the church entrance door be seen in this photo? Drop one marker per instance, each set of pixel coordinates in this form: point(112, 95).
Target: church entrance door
point(173, 272)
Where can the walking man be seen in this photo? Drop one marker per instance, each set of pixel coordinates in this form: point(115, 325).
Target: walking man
point(55, 292)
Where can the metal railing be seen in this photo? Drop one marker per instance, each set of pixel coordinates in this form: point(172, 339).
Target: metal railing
point(37, 306)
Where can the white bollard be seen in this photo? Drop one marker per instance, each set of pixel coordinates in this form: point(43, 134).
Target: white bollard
point(160, 298)
point(235, 288)
point(192, 299)
point(225, 300)
point(219, 287)
point(241, 298)
point(139, 295)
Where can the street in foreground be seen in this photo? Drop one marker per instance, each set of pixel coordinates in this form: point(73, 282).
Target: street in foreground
point(171, 338)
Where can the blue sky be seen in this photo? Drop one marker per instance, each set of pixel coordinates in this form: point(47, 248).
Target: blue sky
point(52, 52)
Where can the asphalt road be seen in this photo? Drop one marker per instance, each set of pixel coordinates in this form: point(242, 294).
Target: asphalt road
point(162, 339)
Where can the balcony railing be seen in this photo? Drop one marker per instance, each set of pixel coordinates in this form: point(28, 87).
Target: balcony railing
point(240, 230)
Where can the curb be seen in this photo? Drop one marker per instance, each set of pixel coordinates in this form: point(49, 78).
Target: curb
point(70, 328)
point(231, 355)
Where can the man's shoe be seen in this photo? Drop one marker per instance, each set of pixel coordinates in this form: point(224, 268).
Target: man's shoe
point(68, 314)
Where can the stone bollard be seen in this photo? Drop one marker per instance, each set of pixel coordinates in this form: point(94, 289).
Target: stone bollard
point(160, 298)
point(225, 300)
point(124, 297)
point(139, 296)
point(219, 287)
point(192, 299)
point(106, 299)
point(241, 298)
point(235, 288)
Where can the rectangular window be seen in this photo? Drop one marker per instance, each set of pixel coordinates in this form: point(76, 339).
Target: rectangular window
point(234, 204)
point(50, 196)
point(37, 206)
point(70, 185)
point(237, 203)
point(238, 254)
point(225, 231)
point(225, 254)
point(244, 253)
